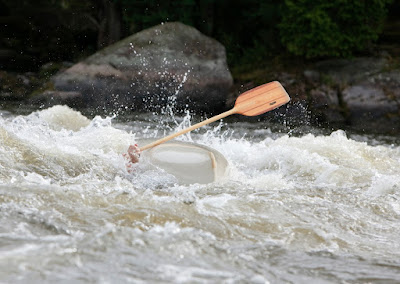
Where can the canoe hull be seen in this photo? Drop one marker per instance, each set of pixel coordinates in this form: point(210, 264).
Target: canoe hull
point(188, 162)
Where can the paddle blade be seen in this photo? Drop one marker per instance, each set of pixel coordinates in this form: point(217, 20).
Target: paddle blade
point(261, 99)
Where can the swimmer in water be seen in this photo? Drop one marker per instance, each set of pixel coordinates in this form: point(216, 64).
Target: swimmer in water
point(131, 157)
point(133, 154)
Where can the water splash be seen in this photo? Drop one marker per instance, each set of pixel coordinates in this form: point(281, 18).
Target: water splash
point(290, 205)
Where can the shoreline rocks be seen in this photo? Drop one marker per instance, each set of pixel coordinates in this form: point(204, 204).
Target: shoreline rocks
point(169, 64)
point(362, 92)
point(175, 66)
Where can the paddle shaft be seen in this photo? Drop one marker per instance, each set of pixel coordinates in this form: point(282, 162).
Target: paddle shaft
point(193, 127)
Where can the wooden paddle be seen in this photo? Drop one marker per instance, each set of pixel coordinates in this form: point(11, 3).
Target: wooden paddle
point(251, 103)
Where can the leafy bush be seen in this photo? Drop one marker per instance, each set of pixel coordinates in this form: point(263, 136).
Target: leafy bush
point(337, 28)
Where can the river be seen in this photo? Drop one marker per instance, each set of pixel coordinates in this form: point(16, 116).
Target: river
point(295, 206)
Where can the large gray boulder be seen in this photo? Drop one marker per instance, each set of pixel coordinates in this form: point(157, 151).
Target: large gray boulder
point(169, 64)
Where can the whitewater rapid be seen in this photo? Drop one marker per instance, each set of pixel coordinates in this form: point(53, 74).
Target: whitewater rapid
point(310, 208)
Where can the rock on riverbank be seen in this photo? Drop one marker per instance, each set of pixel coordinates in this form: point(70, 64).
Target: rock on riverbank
point(363, 93)
point(175, 65)
point(169, 64)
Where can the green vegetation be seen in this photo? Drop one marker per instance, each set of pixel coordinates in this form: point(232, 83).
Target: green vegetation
point(331, 28)
point(254, 32)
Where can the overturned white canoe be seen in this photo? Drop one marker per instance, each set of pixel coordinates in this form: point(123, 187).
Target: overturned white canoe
point(188, 162)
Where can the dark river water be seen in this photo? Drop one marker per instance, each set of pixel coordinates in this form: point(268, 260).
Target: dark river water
point(314, 207)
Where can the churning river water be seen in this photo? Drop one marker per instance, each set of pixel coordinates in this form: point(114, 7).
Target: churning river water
point(305, 208)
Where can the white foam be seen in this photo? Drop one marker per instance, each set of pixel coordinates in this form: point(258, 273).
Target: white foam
point(63, 117)
point(311, 192)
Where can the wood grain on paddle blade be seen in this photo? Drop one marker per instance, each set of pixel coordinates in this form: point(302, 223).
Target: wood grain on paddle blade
point(261, 99)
